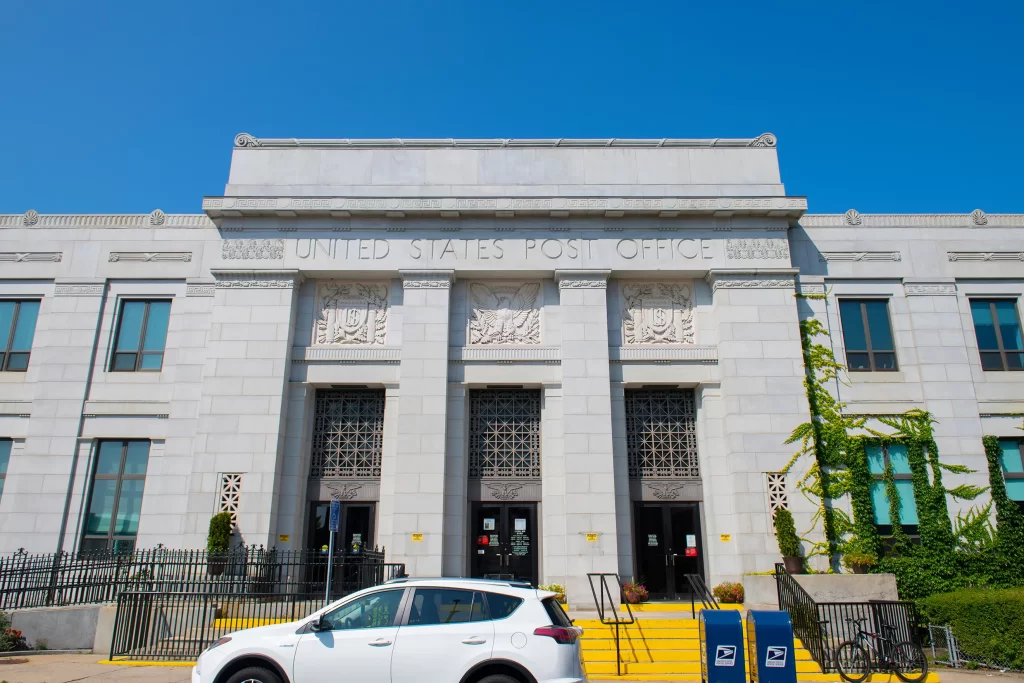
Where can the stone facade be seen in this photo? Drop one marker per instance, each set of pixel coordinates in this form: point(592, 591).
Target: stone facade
point(585, 270)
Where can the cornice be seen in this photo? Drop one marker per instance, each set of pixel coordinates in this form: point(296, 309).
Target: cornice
point(663, 353)
point(503, 207)
point(157, 219)
point(249, 141)
point(232, 278)
point(854, 219)
point(755, 278)
point(504, 354)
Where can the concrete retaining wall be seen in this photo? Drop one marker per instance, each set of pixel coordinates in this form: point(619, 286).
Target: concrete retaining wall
point(85, 627)
point(760, 591)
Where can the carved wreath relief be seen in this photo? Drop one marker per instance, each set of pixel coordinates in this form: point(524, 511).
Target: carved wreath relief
point(657, 313)
point(351, 313)
point(504, 314)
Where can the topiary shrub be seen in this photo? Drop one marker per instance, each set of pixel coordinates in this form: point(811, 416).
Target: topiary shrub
point(785, 533)
point(988, 624)
point(729, 593)
point(219, 537)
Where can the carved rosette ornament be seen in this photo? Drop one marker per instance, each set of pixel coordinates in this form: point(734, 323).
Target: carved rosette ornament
point(504, 314)
point(351, 313)
point(30, 218)
point(246, 140)
point(157, 218)
point(852, 217)
point(978, 217)
point(657, 313)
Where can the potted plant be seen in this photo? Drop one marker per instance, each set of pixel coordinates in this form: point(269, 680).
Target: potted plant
point(859, 561)
point(635, 592)
point(729, 593)
point(556, 588)
point(218, 540)
point(789, 542)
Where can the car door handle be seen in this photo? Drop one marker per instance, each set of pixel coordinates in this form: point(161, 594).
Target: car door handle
point(475, 640)
point(380, 642)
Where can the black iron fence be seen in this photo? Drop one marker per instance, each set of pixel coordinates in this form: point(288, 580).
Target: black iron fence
point(40, 580)
point(823, 626)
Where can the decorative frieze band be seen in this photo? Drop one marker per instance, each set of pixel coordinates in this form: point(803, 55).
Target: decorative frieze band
point(829, 256)
point(427, 279)
point(350, 354)
point(975, 219)
point(582, 279)
point(252, 249)
point(31, 256)
point(641, 354)
point(985, 255)
point(929, 288)
point(33, 219)
point(247, 140)
point(257, 279)
point(150, 256)
point(79, 289)
point(200, 289)
point(771, 248)
point(497, 354)
point(810, 288)
point(757, 283)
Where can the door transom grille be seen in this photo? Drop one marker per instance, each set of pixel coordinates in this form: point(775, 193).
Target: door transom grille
point(661, 433)
point(504, 433)
point(348, 433)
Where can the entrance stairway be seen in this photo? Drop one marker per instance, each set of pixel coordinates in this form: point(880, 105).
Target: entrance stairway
point(664, 645)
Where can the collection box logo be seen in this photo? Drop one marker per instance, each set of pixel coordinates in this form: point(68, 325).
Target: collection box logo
point(726, 655)
point(776, 657)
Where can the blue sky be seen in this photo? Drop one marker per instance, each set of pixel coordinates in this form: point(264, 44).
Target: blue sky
point(885, 107)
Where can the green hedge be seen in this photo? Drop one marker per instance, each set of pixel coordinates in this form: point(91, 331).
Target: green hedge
point(989, 624)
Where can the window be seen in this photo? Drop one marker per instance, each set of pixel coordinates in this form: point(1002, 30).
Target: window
point(112, 520)
point(141, 334)
point(431, 606)
point(17, 328)
point(5, 457)
point(376, 610)
point(998, 331)
point(1013, 470)
point(868, 336)
point(879, 456)
point(500, 606)
point(556, 613)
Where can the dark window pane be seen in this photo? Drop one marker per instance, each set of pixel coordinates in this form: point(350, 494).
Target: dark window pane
point(130, 326)
point(991, 361)
point(556, 613)
point(878, 324)
point(109, 460)
point(440, 606)
point(123, 546)
point(983, 327)
point(101, 507)
point(93, 545)
point(152, 361)
point(502, 606)
point(6, 319)
point(885, 361)
point(5, 454)
point(18, 362)
point(26, 326)
point(858, 361)
point(853, 326)
point(156, 325)
point(124, 361)
point(137, 457)
point(1014, 360)
point(129, 505)
point(1006, 311)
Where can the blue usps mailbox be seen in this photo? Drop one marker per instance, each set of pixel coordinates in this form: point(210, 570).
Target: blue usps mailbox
point(770, 638)
point(721, 646)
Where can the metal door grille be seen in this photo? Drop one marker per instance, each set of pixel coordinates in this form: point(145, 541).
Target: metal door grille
point(348, 433)
point(504, 433)
point(661, 433)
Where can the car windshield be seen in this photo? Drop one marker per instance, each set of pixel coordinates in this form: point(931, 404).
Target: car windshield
point(370, 611)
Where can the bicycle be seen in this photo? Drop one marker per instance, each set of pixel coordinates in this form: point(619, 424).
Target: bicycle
point(868, 651)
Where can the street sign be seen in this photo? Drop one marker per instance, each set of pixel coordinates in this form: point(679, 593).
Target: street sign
point(335, 514)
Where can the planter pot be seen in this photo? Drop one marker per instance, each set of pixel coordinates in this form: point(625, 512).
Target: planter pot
point(794, 565)
point(860, 568)
point(215, 566)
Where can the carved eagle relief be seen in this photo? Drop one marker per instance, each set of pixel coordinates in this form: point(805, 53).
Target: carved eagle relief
point(504, 314)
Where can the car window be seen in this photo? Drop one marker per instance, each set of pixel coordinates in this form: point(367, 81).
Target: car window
point(444, 606)
point(370, 611)
point(502, 606)
point(556, 613)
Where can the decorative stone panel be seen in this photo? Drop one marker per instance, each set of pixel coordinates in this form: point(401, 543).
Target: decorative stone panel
point(778, 496)
point(230, 494)
point(657, 313)
point(346, 490)
point(496, 490)
point(31, 256)
point(350, 313)
point(504, 313)
point(770, 248)
point(679, 491)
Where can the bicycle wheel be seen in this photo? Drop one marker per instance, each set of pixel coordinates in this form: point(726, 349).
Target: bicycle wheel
point(853, 661)
point(909, 663)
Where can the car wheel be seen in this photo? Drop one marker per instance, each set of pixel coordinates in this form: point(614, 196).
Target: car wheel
point(254, 674)
point(498, 678)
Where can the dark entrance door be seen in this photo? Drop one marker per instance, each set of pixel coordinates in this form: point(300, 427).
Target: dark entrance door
point(668, 547)
point(503, 541)
point(355, 529)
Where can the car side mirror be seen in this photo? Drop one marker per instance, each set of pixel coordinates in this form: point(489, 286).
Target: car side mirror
point(320, 624)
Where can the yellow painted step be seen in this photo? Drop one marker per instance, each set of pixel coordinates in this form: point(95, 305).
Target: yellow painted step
point(671, 667)
point(657, 623)
point(801, 678)
point(655, 656)
point(670, 607)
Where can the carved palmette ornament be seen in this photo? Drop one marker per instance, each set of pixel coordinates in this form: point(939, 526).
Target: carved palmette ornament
point(351, 313)
point(657, 313)
point(504, 314)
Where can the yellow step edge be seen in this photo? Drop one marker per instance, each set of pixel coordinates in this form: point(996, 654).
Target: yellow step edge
point(801, 678)
point(242, 622)
point(674, 667)
point(672, 607)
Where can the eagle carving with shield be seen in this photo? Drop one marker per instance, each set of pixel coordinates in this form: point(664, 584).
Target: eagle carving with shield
point(504, 314)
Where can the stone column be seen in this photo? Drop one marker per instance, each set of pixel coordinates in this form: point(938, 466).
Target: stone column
point(587, 424)
point(763, 396)
point(412, 481)
point(36, 503)
point(242, 409)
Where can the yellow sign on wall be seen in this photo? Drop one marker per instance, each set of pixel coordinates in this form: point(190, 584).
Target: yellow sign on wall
point(592, 537)
point(725, 538)
point(416, 538)
point(283, 538)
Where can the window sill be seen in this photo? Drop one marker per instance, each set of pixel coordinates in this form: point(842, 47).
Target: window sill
point(883, 376)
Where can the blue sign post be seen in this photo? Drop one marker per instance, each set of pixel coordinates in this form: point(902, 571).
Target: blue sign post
point(333, 527)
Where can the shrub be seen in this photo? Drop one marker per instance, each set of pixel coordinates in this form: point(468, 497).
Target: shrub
point(635, 592)
point(785, 533)
point(10, 638)
point(219, 538)
point(989, 624)
point(555, 588)
point(729, 593)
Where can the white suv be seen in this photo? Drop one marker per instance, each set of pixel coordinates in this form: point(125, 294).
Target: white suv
point(410, 631)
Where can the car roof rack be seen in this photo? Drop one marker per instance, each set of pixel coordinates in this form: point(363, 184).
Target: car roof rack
point(499, 582)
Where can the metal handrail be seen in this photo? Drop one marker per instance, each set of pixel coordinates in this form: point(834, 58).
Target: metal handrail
point(615, 619)
point(699, 589)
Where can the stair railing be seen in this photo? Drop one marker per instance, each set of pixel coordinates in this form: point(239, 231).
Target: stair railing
point(803, 613)
point(699, 591)
point(609, 614)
